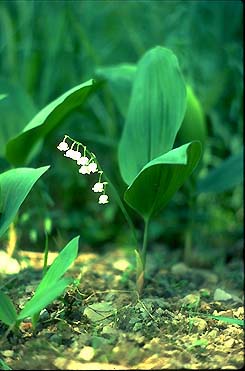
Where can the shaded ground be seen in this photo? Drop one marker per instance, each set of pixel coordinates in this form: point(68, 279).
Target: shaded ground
point(102, 323)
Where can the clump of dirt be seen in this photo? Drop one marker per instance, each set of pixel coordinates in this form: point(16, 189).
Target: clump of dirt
point(102, 323)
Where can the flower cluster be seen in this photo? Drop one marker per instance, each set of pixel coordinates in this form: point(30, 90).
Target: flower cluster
point(87, 162)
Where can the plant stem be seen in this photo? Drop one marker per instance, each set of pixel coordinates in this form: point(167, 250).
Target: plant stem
point(141, 260)
point(188, 245)
point(145, 242)
point(123, 209)
point(188, 248)
point(46, 251)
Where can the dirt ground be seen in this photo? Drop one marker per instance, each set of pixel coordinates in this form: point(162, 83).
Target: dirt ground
point(101, 323)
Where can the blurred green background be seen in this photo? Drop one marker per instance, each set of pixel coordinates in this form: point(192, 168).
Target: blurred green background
point(47, 47)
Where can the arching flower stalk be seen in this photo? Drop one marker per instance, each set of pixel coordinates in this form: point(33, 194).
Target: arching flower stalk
point(88, 164)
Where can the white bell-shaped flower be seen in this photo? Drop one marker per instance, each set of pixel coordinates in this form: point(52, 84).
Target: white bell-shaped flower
point(103, 199)
point(63, 146)
point(92, 167)
point(76, 155)
point(83, 160)
point(69, 153)
point(84, 170)
point(98, 187)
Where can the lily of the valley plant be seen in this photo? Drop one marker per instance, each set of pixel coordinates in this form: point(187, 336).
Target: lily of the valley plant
point(152, 170)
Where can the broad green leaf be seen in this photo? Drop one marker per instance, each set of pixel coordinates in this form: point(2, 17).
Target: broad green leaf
point(16, 110)
point(157, 182)
point(43, 298)
point(156, 110)
point(120, 78)
point(226, 176)
point(20, 149)
point(7, 310)
point(193, 126)
point(15, 185)
point(60, 265)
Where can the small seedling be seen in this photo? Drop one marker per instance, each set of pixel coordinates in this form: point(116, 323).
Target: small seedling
point(51, 287)
point(4, 366)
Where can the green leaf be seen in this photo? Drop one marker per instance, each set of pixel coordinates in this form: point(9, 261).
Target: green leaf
point(42, 298)
point(120, 78)
point(15, 185)
point(16, 110)
point(226, 176)
point(156, 110)
point(7, 310)
point(193, 126)
point(60, 265)
point(20, 149)
point(157, 182)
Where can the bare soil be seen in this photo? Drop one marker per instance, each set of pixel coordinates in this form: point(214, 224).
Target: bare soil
point(101, 323)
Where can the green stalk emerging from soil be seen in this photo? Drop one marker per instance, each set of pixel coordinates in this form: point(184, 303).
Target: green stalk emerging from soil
point(141, 259)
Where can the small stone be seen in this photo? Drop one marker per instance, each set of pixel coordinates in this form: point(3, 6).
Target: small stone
point(213, 334)
point(108, 330)
point(8, 265)
point(240, 312)
point(180, 269)
point(229, 343)
point(86, 354)
point(192, 299)
point(200, 324)
point(224, 313)
point(221, 295)
point(121, 265)
point(8, 353)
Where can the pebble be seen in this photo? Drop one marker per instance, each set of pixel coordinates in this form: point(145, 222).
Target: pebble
point(190, 299)
point(221, 295)
point(7, 353)
point(229, 343)
point(200, 324)
point(180, 269)
point(224, 313)
point(86, 354)
point(121, 265)
point(8, 265)
point(213, 334)
point(108, 330)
